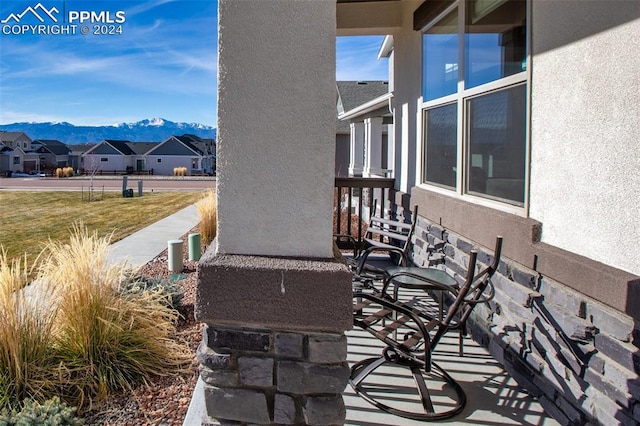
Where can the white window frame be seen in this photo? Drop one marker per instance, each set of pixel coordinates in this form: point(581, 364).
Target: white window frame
point(461, 97)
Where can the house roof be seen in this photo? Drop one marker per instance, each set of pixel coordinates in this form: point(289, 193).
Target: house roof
point(192, 142)
point(53, 146)
point(356, 98)
point(81, 148)
point(12, 136)
point(122, 146)
point(196, 143)
point(352, 94)
point(141, 148)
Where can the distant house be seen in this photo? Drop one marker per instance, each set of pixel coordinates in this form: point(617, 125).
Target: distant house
point(116, 156)
point(22, 158)
point(76, 159)
point(197, 155)
point(190, 151)
point(16, 140)
point(364, 117)
point(5, 157)
point(52, 153)
point(17, 160)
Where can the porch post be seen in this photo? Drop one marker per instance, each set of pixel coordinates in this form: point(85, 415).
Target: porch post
point(356, 151)
point(275, 300)
point(373, 144)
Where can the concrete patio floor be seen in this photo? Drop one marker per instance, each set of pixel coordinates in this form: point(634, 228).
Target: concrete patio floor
point(493, 397)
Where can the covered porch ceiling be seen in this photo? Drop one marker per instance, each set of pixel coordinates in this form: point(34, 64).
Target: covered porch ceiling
point(368, 17)
point(383, 17)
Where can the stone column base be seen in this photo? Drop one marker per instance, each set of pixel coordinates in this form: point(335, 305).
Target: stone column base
point(265, 376)
point(274, 349)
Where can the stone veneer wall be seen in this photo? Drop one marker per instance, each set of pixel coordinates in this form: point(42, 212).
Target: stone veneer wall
point(259, 376)
point(578, 356)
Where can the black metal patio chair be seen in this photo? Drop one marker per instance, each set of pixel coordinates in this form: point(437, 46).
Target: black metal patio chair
point(386, 243)
point(410, 335)
point(417, 278)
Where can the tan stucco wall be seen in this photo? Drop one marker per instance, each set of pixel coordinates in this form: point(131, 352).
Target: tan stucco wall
point(276, 127)
point(585, 165)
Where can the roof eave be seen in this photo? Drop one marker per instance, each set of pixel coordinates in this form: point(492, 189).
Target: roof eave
point(386, 47)
point(372, 105)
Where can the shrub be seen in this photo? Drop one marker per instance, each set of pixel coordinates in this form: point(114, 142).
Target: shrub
point(52, 412)
point(59, 172)
point(25, 334)
point(208, 211)
point(108, 337)
point(169, 289)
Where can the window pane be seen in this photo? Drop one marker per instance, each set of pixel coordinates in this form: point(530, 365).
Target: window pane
point(495, 40)
point(441, 147)
point(440, 58)
point(497, 144)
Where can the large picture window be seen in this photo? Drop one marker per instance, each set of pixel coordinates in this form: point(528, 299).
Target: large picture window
point(474, 129)
point(496, 143)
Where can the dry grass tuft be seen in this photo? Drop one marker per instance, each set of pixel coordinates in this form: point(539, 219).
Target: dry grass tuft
point(179, 171)
point(106, 339)
point(208, 212)
point(80, 330)
point(64, 172)
point(25, 335)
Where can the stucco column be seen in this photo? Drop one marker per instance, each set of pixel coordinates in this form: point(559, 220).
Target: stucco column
point(391, 150)
point(373, 147)
point(356, 149)
point(275, 301)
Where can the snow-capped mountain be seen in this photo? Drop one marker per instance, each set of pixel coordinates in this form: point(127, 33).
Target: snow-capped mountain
point(149, 130)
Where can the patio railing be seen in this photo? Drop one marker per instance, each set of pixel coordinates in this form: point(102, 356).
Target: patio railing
point(353, 204)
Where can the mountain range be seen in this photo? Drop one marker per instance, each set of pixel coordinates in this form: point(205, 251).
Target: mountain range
point(149, 130)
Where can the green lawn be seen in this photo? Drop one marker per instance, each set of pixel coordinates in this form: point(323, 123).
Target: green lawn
point(29, 219)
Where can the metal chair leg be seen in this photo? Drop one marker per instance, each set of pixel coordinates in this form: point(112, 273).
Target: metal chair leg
point(430, 411)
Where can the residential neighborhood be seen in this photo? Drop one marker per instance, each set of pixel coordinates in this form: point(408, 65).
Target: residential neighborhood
point(20, 154)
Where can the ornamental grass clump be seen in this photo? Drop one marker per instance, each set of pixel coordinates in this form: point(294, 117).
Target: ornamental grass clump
point(107, 339)
point(64, 172)
point(179, 171)
point(26, 325)
point(208, 211)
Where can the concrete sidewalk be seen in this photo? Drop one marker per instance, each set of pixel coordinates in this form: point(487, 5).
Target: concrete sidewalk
point(143, 246)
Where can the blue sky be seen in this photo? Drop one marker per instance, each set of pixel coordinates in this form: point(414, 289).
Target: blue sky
point(160, 61)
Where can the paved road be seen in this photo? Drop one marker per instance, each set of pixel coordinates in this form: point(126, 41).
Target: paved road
point(155, 183)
